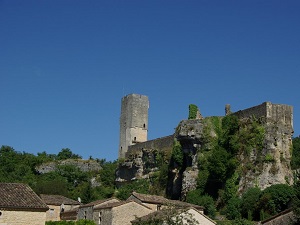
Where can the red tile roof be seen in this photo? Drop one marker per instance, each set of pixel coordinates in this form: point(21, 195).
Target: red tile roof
point(20, 196)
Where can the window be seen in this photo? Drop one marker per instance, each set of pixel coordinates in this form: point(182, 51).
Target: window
point(100, 217)
point(144, 125)
point(85, 215)
point(0, 214)
point(158, 207)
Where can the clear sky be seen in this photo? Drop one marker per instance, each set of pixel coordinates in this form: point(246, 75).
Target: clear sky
point(65, 65)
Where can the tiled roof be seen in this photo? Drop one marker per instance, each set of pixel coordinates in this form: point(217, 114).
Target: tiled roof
point(20, 196)
point(58, 200)
point(116, 204)
point(155, 199)
point(285, 219)
point(97, 202)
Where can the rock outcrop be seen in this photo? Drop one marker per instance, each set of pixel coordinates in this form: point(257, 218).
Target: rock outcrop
point(83, 165)
point(261, 167)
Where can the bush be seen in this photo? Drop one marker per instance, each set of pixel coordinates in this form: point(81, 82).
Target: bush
point(249, 203)
point(177, 154)
point(206, 201)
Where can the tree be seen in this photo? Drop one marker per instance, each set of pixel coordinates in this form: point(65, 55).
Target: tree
point(295, 162)
point(66, 153)
point(195, 197)
point(249, 203)
point(233, 208)
point(275, 199)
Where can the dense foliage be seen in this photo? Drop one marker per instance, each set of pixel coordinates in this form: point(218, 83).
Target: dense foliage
point(66, 180)
point(218, 178)
point(295, 162)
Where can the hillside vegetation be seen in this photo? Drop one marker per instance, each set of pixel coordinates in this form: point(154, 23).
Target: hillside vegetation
point(217, 178)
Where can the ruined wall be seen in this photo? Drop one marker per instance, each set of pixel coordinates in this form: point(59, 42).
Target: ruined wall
point(271, 165)
point(141, 158)
point(257, 111)
point(263, 168)
point(159, 144)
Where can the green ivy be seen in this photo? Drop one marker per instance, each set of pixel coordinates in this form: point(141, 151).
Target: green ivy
point(193, 109)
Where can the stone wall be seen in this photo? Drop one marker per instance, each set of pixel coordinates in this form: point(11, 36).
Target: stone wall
point(278, 124)
point(257, 111)
point(53, 214)
point(124, 214)
point(133, 121)
point(159, 143)
point(274, 112)
point(18, 217)
point(140, 158)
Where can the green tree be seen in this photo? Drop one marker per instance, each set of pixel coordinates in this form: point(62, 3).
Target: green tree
point(66, 153)
point(177, 154)
point(141, 186)
point(195, 197)
point(53, 184)
point(233, 208)
point(275, 199)
point(250, 198)
point(295, 162)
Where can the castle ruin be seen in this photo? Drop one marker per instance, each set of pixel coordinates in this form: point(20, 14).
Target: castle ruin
point(133, 121)
point(138, 151)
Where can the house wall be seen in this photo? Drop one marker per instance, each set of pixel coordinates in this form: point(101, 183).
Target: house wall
point(103, 216)
point(53, 214)
point(88, 212)
point(85, 213)
point(122, 215)
point(10, 217)
point(199, 217)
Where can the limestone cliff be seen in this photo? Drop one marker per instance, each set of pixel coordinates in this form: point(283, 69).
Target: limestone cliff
point(260, 166)
point(83, 165)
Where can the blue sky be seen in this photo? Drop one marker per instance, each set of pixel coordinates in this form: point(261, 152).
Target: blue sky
point(65, 65)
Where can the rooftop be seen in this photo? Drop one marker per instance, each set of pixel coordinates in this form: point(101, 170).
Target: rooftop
point(20, 196)
point(58, 200)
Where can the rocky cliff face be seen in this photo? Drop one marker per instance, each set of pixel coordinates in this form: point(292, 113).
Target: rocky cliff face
point(83, 165)
point(261, 167)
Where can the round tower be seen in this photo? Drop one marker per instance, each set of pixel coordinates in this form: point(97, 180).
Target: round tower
point(133, 121)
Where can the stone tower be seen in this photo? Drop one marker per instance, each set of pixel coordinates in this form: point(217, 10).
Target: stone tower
point(133, 121)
